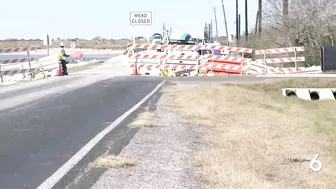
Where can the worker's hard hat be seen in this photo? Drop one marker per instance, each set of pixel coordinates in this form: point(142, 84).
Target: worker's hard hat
point(61, 44)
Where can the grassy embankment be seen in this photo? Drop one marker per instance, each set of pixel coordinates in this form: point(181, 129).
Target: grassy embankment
point(249, 128)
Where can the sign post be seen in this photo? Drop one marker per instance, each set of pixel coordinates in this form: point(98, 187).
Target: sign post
point(47, 42)
point(133, 34)
point(148, 33)
point(140, 18)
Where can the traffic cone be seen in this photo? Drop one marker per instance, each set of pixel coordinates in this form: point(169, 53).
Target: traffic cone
point(58, 72)
point(135, 70)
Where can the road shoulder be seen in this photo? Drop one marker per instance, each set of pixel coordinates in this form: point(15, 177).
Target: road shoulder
point(160, 153)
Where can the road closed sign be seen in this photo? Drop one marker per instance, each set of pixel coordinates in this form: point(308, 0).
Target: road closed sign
point(141, 18)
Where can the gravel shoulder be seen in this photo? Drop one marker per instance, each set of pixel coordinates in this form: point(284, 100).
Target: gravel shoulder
point(161, 154)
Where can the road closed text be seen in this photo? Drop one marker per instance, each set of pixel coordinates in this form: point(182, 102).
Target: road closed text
point(141, 19)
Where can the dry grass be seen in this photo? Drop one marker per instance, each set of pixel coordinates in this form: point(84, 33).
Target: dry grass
point(110, 161)
point(144, 119)
point(111, 44)
point(250, 127)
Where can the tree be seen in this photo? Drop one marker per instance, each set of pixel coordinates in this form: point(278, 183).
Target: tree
point(305, 24)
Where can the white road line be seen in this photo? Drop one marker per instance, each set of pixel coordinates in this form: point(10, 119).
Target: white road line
point(61, 172)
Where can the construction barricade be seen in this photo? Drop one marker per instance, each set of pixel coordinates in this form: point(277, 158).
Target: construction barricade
point(267, 64)
point(183, 59)
point(162, 64)
point(16, 66)
point(228, 64)
point(25, 68)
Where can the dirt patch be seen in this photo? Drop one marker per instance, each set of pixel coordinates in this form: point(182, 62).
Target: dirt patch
point(110, 161)
point(251, 131)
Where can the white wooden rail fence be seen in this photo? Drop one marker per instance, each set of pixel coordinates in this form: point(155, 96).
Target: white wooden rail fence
point(27, 65)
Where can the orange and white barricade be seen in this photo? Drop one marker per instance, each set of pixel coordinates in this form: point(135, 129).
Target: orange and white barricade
point(16, 69)
point(228, 64)
point(154, 64)
point(16, 66)
point(184, 57)
point(268, 64)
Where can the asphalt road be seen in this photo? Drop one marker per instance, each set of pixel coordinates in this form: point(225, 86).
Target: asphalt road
point(38, 139)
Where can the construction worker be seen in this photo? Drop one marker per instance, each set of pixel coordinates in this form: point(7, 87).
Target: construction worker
point(129, 50)
point(62, 57)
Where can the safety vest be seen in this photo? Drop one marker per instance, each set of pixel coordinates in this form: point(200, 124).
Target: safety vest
point(60, 55)
point(130, 50)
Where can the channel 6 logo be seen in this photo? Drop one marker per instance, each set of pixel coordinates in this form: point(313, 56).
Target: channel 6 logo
point(315, 165)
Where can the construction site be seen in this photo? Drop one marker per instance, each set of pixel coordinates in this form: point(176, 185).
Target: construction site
point(250, 110)
point(182, 55)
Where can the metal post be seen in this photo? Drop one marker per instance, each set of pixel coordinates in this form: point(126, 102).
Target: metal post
point(332, 40)
point(133, 34)
point(226, 29)
point(1, 78)
point(265, 61)
point(148, 34)
point(197, 64)
point(48, 45)
point(30, 71)
point(211, 66)
point(160, 68)
point(163, 30)
point(136, 67)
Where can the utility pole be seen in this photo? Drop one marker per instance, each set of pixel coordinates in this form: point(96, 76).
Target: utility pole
point(237, 29)
point(260, 17)
point(226, 29)
point(256, 24)
point(48, 45)
point(285, 9)
point(246, 22)
point(239, 25)
point(205, 33)
point(214, 8)
point(211, 30)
